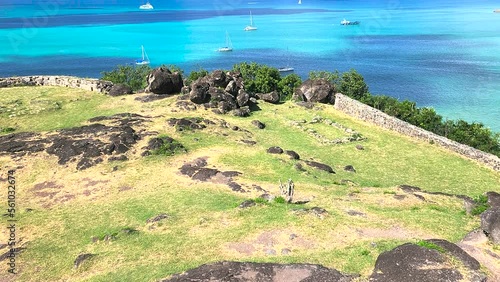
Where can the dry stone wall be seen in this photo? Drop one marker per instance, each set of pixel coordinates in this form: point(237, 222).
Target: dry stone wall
point(366, 113)
point(90, 84)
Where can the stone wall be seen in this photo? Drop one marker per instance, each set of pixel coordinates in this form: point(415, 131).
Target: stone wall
point(90, 84)
point(364, 112)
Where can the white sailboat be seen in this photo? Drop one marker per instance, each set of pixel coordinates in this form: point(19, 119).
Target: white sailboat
point(287, 68)
point(146, 6)
point(145, 58)
point(250, 27)
point(229, 45)
point(300, 2)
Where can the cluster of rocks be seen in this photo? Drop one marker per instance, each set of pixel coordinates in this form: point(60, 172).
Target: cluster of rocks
point(352, 136)
point(197, 170)
point(187, 124)
point(295, 156)
point(86, 145)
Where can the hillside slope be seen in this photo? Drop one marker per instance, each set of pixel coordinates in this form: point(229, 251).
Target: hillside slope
point(145, 216)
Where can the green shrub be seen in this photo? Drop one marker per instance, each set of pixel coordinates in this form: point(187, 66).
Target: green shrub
point(279, 200)
point(133, 76)
point(194, 75)
point(481, 205)
point(258, 78)
point(287, 86)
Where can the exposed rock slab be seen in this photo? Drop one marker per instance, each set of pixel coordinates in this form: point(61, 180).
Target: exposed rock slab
point(260, 272)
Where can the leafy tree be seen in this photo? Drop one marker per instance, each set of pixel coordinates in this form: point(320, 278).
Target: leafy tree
point(258, 78)
point(332, 77)
point(353, 85)
point(287, 85)
point(133, 76)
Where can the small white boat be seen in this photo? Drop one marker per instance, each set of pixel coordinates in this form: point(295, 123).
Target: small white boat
point(144, 60)
point(229, 45)
point(250, 27)
point(346, 22)
point(300, 2)
point(146, 6)
point(286, 69)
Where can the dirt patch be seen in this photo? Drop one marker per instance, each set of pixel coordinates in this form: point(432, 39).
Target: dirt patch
point(271, 242)
point(46, 185)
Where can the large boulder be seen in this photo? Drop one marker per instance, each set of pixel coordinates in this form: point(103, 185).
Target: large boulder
point(490, 224)
point(317, 90)
point(199, 92)
point(218, 79)
point(248, 272)
point(163, 81)
point(120, 89)
point(434, 261)
point(242, 98)
point(272, 97)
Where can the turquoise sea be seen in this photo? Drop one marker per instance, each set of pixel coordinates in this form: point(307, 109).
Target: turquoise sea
point(444, 54)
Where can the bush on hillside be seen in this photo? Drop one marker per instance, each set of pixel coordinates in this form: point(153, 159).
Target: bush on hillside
point(259, 78)
point(133, 76)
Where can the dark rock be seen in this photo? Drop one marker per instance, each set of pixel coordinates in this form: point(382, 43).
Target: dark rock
point(307, 105)
point(163, 81)
point(249, 142)
point(271, 97)
point(399, 197)
point(157, 218)
point(293, 155)
point(184, 124)
point(349, 168)
point(118, 158)
point(231, 173)
point(360, 147)
point(22, 143)
point(490, 224)
point(242, 98)
point(199, 92)
point(493, 199)
point(232, 88)
point(218, 78)
point(203, 174)
point(409, 189)
point(355, 213)
point(298, 95)
point(235, 128)
point(320, 166)
point(191, 168)
point(235, 187)
point(318, 90)
point(186, 105)
point(247, 204)
point(242, 112)
point(258, 124)
point(299, 167)
point(185, 92)
point(275, 150)
point(410, 262)
point(253, 100)
point(420, 197)
point(120, 89)
point(319, 212)
point(150, 98)
point(458, 253)
point(260, 272)
point(81, 258)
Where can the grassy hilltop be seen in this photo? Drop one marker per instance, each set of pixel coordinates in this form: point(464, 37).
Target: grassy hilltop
point(104, 210)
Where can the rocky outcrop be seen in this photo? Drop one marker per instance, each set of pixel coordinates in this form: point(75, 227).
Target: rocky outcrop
point(163, 81)
point(320, 166)
point(316, 90)
point(86, 145)
point(490, 224)
point(250, 272)
point(427, 263)
point(222, 92)
point(271, 97)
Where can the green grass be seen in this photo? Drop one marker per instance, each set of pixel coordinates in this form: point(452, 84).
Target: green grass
point(204, 218)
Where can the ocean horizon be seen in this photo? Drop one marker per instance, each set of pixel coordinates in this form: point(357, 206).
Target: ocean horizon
point(442, 54)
